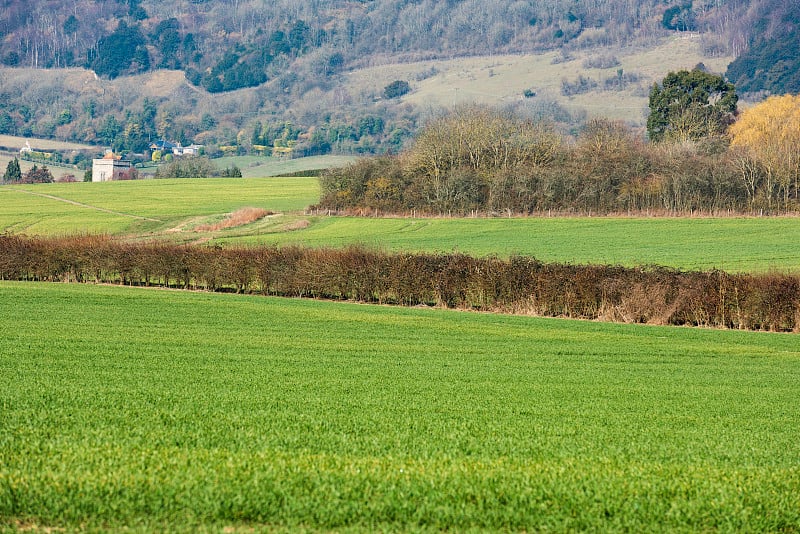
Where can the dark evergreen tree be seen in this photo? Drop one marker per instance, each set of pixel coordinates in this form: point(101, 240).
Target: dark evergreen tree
point(396, 89)
point(6, 123)
point(13, 172)
point(690, 105)
point(121, 52)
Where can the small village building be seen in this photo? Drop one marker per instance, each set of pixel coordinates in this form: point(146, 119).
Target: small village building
point(191, 150)
point(162, 146)
point(109, 167)
point(166, 147)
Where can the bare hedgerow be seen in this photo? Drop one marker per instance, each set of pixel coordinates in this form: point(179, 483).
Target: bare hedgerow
point(519, 284)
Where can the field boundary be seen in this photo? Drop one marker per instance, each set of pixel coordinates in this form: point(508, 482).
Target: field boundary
point(521, 285)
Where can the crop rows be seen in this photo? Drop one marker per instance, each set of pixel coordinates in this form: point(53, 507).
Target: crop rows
point(728, 243)
point(156, 410)
point(655, 295)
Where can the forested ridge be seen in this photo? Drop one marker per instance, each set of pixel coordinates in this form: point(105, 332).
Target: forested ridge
point(230, 40)
point(292, 55)
point(771, 61)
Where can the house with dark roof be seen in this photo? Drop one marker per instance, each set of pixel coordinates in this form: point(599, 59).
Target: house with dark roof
point(162, 145)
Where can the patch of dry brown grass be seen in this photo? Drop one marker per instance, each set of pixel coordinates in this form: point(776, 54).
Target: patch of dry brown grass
point(296, 225)
point(239, 217)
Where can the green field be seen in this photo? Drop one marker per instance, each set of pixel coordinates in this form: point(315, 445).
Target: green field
point(264, 166)
point(169, 209)
point(732, 244)
point(168, 202)
point(163, 410)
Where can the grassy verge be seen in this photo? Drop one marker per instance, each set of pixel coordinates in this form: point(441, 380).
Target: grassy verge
point(177, 411)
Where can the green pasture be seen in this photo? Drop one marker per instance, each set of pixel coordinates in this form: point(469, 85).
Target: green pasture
point(167, 202)
point(166, 410)
point(732, 244)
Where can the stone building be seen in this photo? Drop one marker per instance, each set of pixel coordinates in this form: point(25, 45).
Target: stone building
point(109, 167)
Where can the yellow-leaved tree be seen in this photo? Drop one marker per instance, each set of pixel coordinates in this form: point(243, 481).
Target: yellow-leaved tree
point(768, 138)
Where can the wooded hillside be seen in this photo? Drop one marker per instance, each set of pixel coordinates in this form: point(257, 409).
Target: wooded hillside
point(224, 45)
point(292, 58)
point(771, 62)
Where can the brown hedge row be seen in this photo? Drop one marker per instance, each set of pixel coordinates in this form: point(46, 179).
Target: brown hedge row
point(655, 295)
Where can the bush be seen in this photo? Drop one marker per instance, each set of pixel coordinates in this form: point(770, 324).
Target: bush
point(191, 167)
point(396, 89)
point(38, 175)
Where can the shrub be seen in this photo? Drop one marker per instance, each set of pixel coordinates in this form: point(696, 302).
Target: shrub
point(396, 89)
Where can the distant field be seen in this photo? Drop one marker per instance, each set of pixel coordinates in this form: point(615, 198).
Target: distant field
point(46, 144)
point(174, 411)
point(732, 244)
point(56, 170)
point(169, 202)
point(265, 166)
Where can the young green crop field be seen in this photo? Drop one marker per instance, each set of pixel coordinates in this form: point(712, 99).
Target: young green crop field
point(144, 206)
point(731, 244)
point(171, 209)
point(165, 410)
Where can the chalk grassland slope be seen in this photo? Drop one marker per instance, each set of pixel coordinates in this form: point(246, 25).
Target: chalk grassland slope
point(503, 79)
point(178, 206)
point(23, 209)
point(134, 407)
point(15, 142)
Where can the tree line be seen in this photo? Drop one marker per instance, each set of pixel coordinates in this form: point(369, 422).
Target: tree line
point(520, 284)
point(699, 158)
point(36, 174)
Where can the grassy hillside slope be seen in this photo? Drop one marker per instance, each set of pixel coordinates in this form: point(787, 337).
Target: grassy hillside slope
point(498, 80)
point(143, 207)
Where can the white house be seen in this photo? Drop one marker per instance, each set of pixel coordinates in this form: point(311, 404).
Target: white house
point(191, 150)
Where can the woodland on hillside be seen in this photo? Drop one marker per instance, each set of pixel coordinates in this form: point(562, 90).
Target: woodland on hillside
point(291, 49)
point(133, 35)
point(771, 62)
